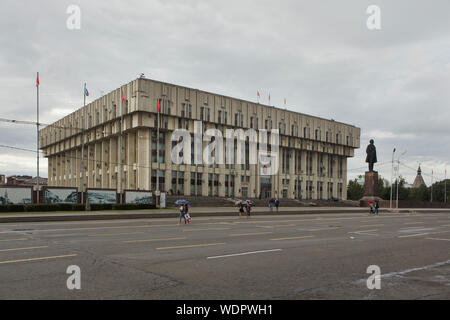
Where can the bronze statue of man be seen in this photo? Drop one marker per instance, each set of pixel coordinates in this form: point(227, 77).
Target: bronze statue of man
point(371, 155)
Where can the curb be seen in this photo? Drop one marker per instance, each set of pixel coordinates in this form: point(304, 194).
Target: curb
point(131, 216)
point(107, 216)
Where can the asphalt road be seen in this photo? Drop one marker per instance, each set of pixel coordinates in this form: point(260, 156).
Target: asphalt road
point(323, 256)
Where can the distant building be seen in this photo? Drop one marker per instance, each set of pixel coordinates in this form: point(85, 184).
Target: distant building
point(2, 179)
point(26, 180)
point(16, 179)
point(419, 179)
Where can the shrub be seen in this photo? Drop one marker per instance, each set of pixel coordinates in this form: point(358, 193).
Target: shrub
point(132, 206)
point(48, 207)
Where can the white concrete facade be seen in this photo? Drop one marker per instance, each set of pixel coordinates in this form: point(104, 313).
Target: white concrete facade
point(313, 151)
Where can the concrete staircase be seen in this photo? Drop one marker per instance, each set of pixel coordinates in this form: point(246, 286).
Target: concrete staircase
point(201, 201)
point(197, 201)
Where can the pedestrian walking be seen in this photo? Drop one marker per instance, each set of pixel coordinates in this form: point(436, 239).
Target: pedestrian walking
point(248, 208)
point(182, 214)
point(241, 209)
point(377, 206)
point(271, 204)
point(277, 203)
point(371, 207)
point(186, 213)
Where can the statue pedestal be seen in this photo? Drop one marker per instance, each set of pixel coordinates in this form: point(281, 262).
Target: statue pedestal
point(370, 188)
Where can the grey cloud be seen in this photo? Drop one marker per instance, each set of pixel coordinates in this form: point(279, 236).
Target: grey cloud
point(319, 55)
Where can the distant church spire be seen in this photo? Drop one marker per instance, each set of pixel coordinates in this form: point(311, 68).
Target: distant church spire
point(419, 179)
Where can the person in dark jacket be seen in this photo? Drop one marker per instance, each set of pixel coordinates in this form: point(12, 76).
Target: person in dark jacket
point(241, 209)
point(271, 204)
point(182, 214)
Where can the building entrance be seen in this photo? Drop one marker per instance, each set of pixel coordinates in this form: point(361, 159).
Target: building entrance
point(265, 187)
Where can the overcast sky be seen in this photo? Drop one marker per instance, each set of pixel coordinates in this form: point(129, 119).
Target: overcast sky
point(393, 83)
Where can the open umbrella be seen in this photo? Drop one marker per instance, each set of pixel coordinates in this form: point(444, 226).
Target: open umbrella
point(250, 202)
point(181, 202)
point(238, 202)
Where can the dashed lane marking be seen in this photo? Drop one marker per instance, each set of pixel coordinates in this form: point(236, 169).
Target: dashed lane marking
point(37, 259)
point(441, 239)
point(244, 253)
point(152, 240)
point(413, 235)
point(18, 249)
point(114, 234)
point(292, 238)
point(206, 229)
point(192, 246)
point(18, 239)
point(249, 234)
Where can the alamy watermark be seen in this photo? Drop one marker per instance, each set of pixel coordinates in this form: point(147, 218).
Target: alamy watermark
point(73, 22)
point(374, 19)
point(374, 281)
point(259, 151)
point(74, 280)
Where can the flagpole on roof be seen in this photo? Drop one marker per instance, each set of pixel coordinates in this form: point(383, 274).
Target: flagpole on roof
point(120, 145)
point(158, 109)
point(37, 135)
point(82, 143)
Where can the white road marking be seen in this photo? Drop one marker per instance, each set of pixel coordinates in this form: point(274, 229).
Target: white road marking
point(37, 259)
point(244, 253)
point(17, 249)
point(19, 239)
point(414, 235)
point(438, 239)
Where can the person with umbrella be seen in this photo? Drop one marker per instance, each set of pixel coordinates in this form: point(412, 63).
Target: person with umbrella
point(183, 210)
point(241, 207)
point(248, 206)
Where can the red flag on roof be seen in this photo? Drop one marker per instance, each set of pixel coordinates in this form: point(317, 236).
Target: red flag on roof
point(123, 98)
point(159, 105)
point(37, 80)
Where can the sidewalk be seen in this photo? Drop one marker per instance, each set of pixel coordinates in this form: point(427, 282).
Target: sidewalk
point(194, 211)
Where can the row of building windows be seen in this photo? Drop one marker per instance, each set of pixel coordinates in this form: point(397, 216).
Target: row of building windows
point(205, 115)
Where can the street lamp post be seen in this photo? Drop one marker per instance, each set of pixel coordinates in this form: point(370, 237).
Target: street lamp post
point(398, 174)
point(392, 173)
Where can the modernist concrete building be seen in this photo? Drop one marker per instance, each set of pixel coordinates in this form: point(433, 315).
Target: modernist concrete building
point(313, 151)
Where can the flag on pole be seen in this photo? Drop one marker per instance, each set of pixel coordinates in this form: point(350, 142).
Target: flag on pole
point(285, 101)
point(159, 105)
point(123, 98)
point(37, 80)
point(86, 92)
point(269, 98)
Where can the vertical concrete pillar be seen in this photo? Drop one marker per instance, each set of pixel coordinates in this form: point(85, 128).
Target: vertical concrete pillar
point(344, 178)
point(315, 177)
point(143, 154)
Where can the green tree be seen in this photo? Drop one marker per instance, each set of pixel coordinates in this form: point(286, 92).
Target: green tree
point(384, 192)
point(438, 190)
point(403, 192)
point(354, 190)
point(419, 194)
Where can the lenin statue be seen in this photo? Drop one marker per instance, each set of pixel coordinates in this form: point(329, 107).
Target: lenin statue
point(371, 155)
